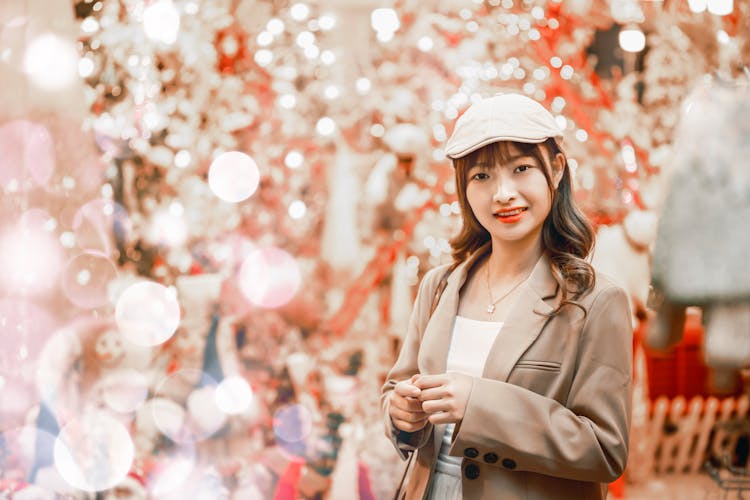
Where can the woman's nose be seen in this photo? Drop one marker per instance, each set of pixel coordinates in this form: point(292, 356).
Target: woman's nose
point(505, 191)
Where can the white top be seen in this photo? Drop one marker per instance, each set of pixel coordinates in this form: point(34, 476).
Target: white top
point(470, 345)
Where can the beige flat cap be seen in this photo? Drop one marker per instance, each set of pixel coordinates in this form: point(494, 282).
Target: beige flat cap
point(505, 117)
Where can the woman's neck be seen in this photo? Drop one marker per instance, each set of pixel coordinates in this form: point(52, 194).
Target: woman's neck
point(508, 261)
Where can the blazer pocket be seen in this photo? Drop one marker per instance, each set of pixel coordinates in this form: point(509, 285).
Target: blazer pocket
point(547, 366)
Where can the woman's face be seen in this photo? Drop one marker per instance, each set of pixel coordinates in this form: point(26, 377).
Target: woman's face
point(510, 199)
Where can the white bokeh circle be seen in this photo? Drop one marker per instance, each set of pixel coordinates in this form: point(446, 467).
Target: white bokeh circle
point(94, 452)
point(86, 278)
point(234, 395)
point(292, 423)
point(233, 176)
point(269, 277)
point(147, 313)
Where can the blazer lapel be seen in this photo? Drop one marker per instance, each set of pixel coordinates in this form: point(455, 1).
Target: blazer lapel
point(519, 331)
point(524, 324)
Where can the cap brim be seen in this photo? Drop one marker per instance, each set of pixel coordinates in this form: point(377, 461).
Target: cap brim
point(459, 151)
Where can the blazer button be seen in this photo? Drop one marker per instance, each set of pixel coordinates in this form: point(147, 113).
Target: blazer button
point(509, 463)
point(471, 452)
point(490, 458)
point(471, 471)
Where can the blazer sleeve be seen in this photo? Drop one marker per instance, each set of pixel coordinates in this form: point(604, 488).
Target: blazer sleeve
point(406, 364)
point(584, 439)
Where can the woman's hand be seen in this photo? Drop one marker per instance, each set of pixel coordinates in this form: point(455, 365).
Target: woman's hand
point(444, 397)
point(405, 408)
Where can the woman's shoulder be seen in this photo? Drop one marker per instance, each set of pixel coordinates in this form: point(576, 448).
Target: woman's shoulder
point(604, 286)
point(434, 275)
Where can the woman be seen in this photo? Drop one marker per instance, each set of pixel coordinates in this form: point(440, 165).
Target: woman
point(517, 385)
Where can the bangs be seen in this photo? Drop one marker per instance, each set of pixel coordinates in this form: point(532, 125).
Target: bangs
point(502, 152)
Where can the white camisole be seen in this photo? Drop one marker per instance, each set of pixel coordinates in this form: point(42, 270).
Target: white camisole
point(470, 345)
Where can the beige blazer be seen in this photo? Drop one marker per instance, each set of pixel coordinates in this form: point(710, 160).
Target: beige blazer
point(549, 418)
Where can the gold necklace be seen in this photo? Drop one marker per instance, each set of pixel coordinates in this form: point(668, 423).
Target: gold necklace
point(493, 303)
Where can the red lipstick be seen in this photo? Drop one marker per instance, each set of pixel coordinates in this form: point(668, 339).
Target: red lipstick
point(510, 215)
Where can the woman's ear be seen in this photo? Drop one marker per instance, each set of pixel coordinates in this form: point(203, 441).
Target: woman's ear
point(558, 167)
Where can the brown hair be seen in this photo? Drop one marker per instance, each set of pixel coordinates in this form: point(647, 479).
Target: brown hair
point(567, 236)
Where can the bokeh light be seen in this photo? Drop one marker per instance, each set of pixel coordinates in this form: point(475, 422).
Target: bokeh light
point(292, 423)
point(327, 22)
point(720, 7)
point(86, 67)
point(294, 159)
point(86, 278)
point(167, 227)
point(51, 62)
point(172, 468)
point(234, 395)
point(233, 176)
point(299, 11)
point(93, 452)
point(199, 418)
point(363, 85)
point(161, 21)
point(632, 39)
point(99, 223)
point(24, 328)
point(147, 313)
point(125, 390)
point(32, 259)
point(269, 277)
point(384, 20)
point(425, 44)
point(325, 126)
point(275, 26)
point(28, 157)
point(287, 101)
point(205, 415)
point(167, 416)
point(297, 209)
point(697, 6)
point(29, 446)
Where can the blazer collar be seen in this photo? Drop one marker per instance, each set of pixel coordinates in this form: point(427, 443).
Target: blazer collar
point(534, 301)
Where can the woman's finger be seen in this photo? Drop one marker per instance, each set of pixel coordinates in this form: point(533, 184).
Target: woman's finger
point(442, 418)
point(433, 394)
point(408, 404)
point(407, 416)
point(405, 389)
point(428, 381)
point(436, 406)
point(409, 426)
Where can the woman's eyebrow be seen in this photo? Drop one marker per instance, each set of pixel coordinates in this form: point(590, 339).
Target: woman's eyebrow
point(487, 164)
point(521, 157)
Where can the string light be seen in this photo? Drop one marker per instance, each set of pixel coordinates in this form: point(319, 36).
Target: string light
point(720, 7)
point(299, 11)
point(385, 22)
point(697, 6)
point(632, 39)
point(161, 22)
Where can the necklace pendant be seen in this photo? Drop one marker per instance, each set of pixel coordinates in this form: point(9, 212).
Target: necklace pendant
point(491, 308)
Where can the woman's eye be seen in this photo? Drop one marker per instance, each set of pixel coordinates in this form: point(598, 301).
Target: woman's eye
point(479, 176)
point(522, 168)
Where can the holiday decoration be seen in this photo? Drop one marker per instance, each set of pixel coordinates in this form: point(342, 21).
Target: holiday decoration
point(215, 215)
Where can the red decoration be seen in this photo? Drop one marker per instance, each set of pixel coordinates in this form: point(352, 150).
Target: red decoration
point(227, 62)
point(378, 268)
point(286, 489)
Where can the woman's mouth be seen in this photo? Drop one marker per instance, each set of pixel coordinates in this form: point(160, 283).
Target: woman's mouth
point(510, 216)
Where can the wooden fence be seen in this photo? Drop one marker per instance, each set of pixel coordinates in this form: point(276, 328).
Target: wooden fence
point(681, 435)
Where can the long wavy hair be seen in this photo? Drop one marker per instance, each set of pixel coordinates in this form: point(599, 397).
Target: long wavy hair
point(567, 236)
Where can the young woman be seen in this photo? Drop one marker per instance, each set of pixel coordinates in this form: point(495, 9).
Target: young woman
point(517, 385)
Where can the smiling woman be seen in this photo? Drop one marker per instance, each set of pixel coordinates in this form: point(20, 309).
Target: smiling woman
point(516, 382)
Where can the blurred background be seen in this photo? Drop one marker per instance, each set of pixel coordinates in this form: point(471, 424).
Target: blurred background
point(215, 214)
